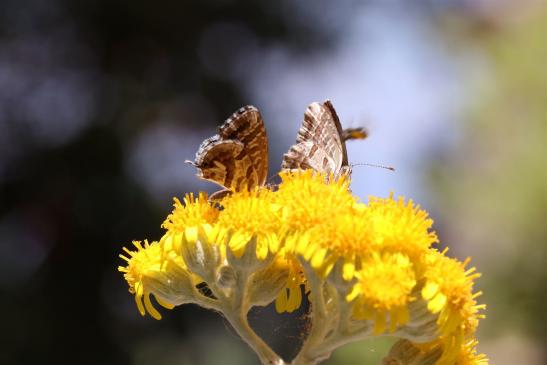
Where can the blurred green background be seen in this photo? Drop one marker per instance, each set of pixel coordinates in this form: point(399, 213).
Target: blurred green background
point(102, 101)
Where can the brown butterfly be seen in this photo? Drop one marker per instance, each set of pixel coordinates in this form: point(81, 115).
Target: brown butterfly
point(237, 157)
point(320, 143)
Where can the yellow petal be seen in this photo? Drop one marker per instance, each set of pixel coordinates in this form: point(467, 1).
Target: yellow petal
point(273, 243)
point(393, 320)
point(281, 301)
point(348, 270)
point(429, 290)
point(303, 244)
point(436, 303)
point(317, 259)
point(238, 241)
point(150, 308)
point(191, 234)
point(368, 312)
point(164, 303)
point(140, 307)
point(380, 323)
point(295, 298)
point(309, 251)
point(403, 316)
point(262, 249)
point(290, 243)
point(209, 231)
point(353, 293)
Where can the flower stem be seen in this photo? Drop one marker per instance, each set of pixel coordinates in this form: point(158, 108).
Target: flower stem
point(266, 355)
point(236, 314)
point(319, 318)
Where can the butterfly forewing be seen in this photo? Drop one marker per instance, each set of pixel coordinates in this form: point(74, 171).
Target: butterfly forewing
point(319, 144)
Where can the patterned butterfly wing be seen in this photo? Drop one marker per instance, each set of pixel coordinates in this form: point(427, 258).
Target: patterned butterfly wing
point(237, 157)
point(319, 144)
point(247, 126)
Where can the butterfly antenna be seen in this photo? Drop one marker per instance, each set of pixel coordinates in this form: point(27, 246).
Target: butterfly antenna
point(391, 168)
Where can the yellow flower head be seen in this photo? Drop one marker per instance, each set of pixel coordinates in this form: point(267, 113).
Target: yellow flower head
point(449, 291)
point(248, 215)
point(400, 227)
point(311, 203)
point(189, 218)
point(384, 286)
point(347, 236)
point(330, 224)
point(147, 260)
point(310, 199)
point(313, 235)
point(197, 216)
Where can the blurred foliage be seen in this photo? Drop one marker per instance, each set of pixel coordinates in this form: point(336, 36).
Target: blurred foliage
point(491, 188)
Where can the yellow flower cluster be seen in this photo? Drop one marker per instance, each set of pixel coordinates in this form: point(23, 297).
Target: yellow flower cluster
point(145, 263)
point(449, 291)
point(381, 250)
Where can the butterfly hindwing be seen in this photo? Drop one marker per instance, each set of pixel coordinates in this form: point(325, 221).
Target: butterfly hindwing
point(246, 125)
point(237, 157)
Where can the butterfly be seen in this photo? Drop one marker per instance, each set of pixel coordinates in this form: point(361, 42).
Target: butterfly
point(321, 142)
point(237, 157)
